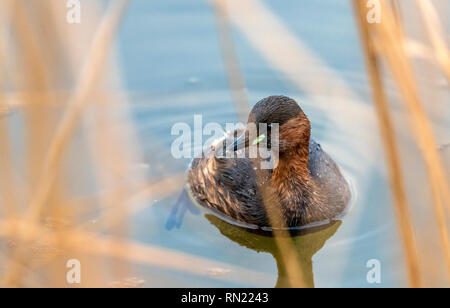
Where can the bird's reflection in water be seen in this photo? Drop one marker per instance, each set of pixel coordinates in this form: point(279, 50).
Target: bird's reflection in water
point(306, 242)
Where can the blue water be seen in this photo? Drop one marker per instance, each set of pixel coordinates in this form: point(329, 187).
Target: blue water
point(172, 69)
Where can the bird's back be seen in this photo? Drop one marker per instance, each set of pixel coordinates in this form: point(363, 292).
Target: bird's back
point(328, 177)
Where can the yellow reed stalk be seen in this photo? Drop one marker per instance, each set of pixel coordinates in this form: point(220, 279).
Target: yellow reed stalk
point(282, 237)
point(111, 247)
point(36, 79)
point(285, 243)
point(39, 72)
point(8, 195)
point(110, 162)
point(389, 139)
point(391, 40)
point(161, 189)
point(88, 80)
point(231, 60)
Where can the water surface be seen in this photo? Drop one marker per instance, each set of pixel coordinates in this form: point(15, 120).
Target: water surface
point(172, 68)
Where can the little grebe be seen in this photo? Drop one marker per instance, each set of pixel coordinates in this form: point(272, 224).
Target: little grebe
point(306, 185)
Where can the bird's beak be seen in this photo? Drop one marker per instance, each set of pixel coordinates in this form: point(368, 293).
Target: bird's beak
point(243, 141)
point(240, 143)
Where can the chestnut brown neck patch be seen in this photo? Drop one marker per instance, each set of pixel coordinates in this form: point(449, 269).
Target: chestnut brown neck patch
point(294, 138)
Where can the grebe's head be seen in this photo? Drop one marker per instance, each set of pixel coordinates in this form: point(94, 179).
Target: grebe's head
point(293, 125)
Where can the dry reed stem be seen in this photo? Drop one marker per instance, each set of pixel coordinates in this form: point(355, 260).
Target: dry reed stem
point(54, 47)
point(37, 79)
point(8, 193)
point(267, 34)
point(111, 164)
point(285, 244)
point(387, 131)
point(436, 34)
point(111, 247)
point(392, 46)
point(161, 189)
point(231, 60)
point(282, 237)
point(88, 80)
point(396, 11)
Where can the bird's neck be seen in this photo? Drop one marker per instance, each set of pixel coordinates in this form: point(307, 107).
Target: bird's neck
point(295, 188)
point(293, 168)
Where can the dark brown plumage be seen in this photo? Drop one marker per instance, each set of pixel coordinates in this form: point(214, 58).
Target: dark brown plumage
point(305, 187)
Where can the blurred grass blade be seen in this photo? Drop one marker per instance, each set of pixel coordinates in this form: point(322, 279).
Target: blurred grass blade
point(392, 45)
point(231, 61)
point(392, 153)
point(89, 78)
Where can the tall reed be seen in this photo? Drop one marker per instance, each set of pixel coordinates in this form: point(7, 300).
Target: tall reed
point(391, 148)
